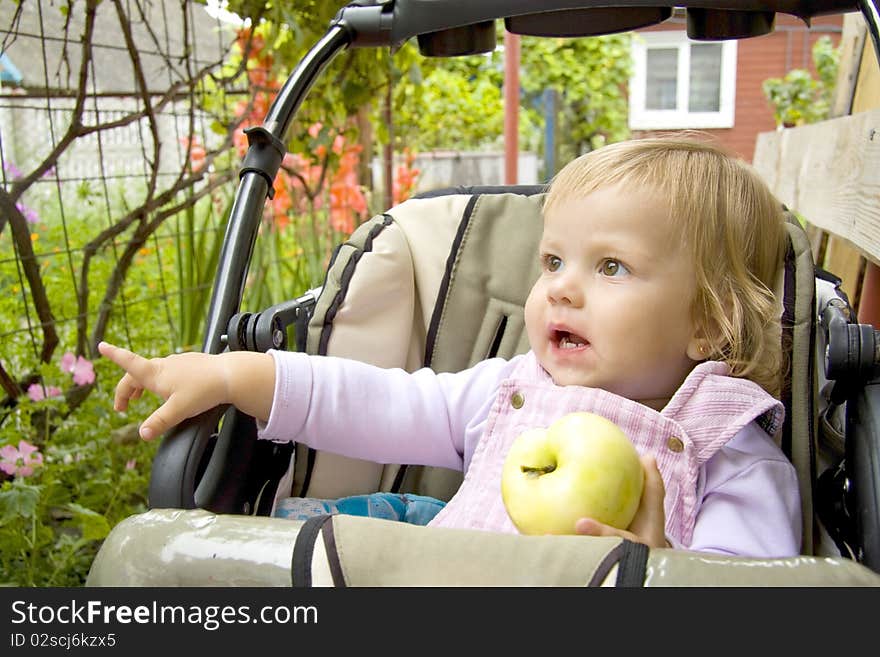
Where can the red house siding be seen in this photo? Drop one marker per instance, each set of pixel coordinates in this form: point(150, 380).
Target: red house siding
point(759, 58)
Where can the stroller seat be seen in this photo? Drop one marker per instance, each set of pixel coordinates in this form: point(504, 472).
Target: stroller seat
point(441, 281)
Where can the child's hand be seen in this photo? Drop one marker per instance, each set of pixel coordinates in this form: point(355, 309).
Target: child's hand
point(648, 526)
point(189, 383)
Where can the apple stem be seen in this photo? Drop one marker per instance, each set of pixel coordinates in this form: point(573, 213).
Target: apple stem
point(547, 469)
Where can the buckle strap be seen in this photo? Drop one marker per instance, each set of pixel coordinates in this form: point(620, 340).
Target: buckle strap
point(303, 549)
point(632, 566)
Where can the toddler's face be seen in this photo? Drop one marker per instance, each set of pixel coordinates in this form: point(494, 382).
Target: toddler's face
point(612, 307)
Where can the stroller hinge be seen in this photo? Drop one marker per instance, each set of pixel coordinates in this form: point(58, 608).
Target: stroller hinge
point(264, 155)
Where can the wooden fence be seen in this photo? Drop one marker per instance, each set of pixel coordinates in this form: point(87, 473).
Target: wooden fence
point(829, 173)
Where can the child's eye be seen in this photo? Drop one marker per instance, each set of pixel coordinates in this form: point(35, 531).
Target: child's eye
point(551, 262)
point(610, 267)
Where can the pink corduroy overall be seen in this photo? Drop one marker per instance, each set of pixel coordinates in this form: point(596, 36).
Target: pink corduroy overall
point(707, 410)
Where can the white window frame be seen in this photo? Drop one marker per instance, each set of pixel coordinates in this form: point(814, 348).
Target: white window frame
point(645, 119)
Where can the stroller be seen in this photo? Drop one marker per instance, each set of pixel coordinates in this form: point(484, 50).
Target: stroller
point(429, 283)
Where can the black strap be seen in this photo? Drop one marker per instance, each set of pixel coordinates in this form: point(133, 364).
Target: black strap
point(789, 291)
point(632, 566)
point(611, 559)
point(303, 549)
point(333, 556)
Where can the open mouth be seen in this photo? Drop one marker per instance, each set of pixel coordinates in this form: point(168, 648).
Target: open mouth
point(568, 340)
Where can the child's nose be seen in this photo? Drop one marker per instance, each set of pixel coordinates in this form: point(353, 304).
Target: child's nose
point(564, 289)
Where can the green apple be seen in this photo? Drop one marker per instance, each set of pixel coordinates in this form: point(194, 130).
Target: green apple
point(581, 466)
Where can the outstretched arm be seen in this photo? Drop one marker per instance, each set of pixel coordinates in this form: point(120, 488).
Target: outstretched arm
point(192, 383)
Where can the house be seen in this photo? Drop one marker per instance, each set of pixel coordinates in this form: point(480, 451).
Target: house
point(716, 86)
point(40, 80)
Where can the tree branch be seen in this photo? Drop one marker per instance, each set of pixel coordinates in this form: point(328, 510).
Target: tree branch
point(22, 238)
point(117, 278)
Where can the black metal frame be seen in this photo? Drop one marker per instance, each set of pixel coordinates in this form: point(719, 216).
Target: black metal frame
point(201, 465)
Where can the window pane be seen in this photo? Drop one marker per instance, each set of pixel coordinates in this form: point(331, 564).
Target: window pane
point(705, 79)
point(662, 82)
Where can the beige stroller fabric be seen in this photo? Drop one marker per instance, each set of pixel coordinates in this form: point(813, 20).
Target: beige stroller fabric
point(198, 548)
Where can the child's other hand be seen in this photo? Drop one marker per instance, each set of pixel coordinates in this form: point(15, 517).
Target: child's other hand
point(648, 526)
point(189, 383)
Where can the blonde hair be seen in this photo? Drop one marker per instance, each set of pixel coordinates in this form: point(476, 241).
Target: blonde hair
point(731, 224)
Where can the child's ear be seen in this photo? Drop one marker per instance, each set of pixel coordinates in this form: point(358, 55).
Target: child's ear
point(697, 349)
point(705, 342)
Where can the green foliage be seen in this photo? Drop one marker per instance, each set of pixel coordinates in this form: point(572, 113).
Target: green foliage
point(198, 233)
point(458, 102)
point(446, 103)
point(352, 80)
point(282, 268)
point(799, 98)
point(95, 470)
point(591, 75)
point(95, 473)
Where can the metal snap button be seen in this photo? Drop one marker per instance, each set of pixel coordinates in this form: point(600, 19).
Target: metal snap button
point(517, 400)
point(675, 444)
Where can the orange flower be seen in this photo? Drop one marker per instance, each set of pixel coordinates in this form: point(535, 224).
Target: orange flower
point(197, 152)
point(405, 178)
point(281, 202)
point(257, 43)
point(240, 140)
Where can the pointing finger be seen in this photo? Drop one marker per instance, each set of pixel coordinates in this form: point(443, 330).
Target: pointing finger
point(138, 366)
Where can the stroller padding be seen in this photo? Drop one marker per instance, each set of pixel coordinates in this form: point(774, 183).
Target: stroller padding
point(491, 269)
point(169, 547)
point(438, 281)
point(801, 398)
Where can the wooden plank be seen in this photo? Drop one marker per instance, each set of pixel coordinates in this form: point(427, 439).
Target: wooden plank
point(852, 42)
point(818, 241)
point(867, 90)
point(829, 172)
point(867, 96)
point(869, 306)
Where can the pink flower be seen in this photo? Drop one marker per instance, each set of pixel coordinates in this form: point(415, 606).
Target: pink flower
point(68, 360)
point(36, 392)
point(83, 372)
point(82, 369)
point(130, 464)
point(12, 170)
point(30, 215)
point(21, 461)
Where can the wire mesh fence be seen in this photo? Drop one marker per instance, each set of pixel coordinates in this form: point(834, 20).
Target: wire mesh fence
point(121, 126)
point(115, 131)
